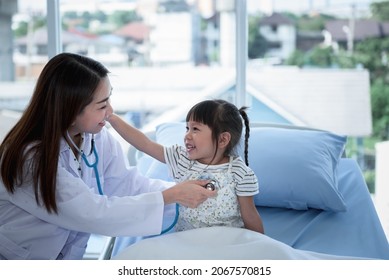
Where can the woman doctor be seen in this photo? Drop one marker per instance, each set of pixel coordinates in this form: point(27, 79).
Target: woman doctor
point(58, 158)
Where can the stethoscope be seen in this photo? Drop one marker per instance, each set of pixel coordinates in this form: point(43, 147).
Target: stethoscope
point(211, 185)
point(94, 166)
point(90, 165)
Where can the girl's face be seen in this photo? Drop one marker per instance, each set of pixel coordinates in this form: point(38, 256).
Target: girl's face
point(199, 143)
point(93, 118)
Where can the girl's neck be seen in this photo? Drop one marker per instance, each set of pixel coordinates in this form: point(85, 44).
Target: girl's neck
point(216, 161)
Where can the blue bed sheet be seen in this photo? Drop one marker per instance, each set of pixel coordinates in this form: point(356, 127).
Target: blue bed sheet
point(355, 233)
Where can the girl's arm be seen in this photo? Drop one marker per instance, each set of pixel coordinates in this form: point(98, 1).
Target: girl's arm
point(137, 138)
point(251, 218)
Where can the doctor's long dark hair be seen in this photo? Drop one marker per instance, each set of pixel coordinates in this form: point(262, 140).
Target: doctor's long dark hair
point(64, 88)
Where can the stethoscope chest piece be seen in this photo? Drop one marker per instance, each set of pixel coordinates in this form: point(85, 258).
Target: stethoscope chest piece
point(212, 184)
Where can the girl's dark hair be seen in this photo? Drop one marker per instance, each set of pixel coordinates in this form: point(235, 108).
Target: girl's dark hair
point(223, 116)
point(64, 88)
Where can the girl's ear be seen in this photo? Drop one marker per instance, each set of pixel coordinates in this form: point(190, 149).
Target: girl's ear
point(224, 139)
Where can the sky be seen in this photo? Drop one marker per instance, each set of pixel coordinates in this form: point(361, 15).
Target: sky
point(296, 6)
point(341, 7)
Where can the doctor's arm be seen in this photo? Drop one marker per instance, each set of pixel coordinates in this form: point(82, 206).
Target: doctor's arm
point(137, 138)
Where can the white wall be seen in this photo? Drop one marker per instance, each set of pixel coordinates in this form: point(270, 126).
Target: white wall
point(171, 42)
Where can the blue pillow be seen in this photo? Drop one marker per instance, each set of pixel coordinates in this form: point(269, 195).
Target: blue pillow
point(295, 168)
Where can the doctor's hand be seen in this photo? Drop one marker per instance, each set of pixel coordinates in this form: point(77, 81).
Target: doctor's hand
point(189, 193)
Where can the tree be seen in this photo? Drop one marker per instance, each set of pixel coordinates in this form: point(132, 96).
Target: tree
point(311, 23)
point(257, 44)
point(296, 58)
point(322, 57)
point(380, 10)
point(380, 105)
point(37, 21)
point(372, 54)
point(120, 18)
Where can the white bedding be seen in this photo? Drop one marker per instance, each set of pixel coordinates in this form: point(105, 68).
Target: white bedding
point(220, 243)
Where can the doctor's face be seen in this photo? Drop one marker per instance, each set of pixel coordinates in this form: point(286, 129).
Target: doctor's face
point(93, 118)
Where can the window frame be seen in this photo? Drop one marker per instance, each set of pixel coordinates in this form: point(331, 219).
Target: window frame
point(54, 44)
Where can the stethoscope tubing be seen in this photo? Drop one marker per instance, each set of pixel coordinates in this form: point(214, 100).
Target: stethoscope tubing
point(94, 166)
point(96, 171)
point(174, 222)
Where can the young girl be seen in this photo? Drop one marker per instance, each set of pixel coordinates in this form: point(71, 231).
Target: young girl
point(214, 129)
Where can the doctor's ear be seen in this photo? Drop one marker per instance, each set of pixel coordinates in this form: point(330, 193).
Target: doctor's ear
point(224, 139)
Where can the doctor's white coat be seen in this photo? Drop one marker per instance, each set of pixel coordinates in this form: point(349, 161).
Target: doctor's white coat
point(132, 205)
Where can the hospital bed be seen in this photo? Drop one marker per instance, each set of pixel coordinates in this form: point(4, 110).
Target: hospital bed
point(313, 201)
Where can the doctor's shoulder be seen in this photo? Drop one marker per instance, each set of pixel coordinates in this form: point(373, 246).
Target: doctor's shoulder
point(109, 148)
